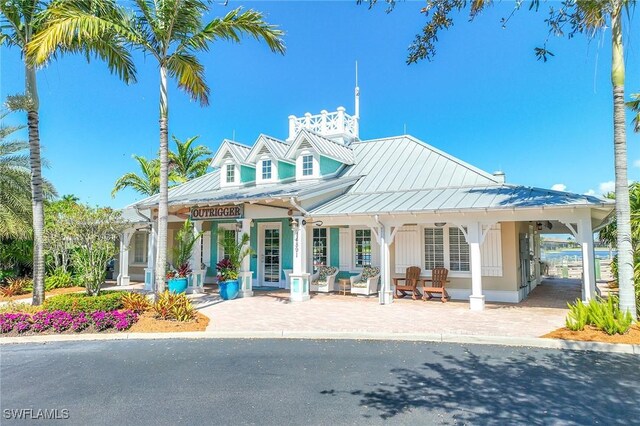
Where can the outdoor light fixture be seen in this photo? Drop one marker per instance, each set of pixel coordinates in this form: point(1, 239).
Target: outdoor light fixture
point(549, 224)
point(316, 222)
point(539, 226)
point(440, 224)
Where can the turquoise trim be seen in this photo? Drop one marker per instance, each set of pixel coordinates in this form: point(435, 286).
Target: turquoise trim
point(286, 250)
point(247, 174)
point(286, 170)
point(334, 247)
point(253, 242)
point(213, 256)
point(328, 166)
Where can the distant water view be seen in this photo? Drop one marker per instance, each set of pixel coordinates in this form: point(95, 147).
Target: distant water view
point(574, 254)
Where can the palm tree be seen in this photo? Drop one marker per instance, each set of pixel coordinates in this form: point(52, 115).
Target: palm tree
point(148, 182)
point(188, 161)
point(172, 33)
point(567, 18)
point(20, 22)
point(15, 185)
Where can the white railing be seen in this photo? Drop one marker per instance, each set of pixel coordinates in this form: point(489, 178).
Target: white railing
point(326, 123)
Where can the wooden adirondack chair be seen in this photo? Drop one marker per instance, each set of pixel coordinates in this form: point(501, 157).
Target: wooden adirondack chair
point(410, 283)
point(438, 282)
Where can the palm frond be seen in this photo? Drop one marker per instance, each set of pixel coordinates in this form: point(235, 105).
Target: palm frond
point(189, 72)
point(634, 106)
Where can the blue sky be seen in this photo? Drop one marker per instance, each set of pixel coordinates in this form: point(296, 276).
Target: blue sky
point(485, 98)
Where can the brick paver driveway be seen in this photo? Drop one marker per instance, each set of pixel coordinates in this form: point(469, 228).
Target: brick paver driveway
point(542, 312)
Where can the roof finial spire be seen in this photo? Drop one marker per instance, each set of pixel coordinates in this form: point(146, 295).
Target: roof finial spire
point(357, 106)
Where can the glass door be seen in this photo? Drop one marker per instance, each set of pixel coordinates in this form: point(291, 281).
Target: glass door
point(271, 256)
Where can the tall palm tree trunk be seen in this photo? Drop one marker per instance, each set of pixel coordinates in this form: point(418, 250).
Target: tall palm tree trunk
point(163, 208)
point(33, 121)
point(623, 215)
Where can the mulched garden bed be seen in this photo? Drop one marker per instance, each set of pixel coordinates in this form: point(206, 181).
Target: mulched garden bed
point(148, 324)
point(592, 334)
point(46, 294)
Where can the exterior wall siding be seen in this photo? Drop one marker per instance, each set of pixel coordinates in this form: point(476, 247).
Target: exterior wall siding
point(328, 165)
point(286, 170)
point(247, 174)
point(334, 247)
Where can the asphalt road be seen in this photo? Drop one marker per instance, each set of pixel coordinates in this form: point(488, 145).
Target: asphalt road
point(264, 382)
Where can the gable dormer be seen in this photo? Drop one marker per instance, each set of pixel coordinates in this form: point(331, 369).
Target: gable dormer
point(231, 160)
point(271, 164)
point(316, 156)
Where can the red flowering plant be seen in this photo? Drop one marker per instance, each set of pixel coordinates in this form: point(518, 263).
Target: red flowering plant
point(186, 239)
point(235, 252)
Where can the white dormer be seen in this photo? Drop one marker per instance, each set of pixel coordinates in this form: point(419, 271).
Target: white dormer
point(268, 157)
point(266, 169)
point(307, 164)
point(230, 158)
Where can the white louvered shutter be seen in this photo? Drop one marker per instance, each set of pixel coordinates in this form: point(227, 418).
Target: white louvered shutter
point(407, 248)
point(491, 252)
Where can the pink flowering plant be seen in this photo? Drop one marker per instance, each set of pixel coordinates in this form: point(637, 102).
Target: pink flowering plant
point(60, 321)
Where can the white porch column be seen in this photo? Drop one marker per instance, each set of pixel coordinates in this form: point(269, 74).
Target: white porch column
point(385, 238)
point(196, 281)
point(474, 238)
point(299, 277)
point(585, 236)
point(149, 271)
point(245, 275)
point(123, 273)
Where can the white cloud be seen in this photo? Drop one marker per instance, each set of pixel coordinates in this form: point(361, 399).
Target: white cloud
point(608, 186)
point(559, 187)
point(590, 192)
point(636, 163)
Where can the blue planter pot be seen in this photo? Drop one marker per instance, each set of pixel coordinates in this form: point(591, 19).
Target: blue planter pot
point(178, 285)
point(229, 289)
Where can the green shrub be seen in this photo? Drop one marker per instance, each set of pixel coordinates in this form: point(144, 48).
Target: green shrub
point(172, 306)
point(578, 316)
point(82, 302)
point(58, 279)
point(607, 316)
point(6, 273)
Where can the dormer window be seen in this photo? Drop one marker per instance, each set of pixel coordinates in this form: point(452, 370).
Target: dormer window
point(266, 169)
point(307, 165)
point(231, 173)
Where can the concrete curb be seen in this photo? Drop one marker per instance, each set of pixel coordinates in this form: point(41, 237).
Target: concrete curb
point(531, 342)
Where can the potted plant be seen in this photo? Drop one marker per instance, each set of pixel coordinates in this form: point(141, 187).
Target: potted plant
point(178, 276)
point(229, 267)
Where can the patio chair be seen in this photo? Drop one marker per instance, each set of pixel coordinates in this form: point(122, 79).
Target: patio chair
point(366, 282)
point(412, 276)
point(324, 281)
point(438, 282)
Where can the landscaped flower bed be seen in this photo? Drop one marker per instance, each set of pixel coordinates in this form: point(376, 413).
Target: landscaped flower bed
point(48, 322)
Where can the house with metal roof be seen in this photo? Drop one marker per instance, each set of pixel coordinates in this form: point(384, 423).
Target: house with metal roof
point(325, 198)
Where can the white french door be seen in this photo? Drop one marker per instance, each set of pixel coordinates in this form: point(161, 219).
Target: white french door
point(270, 255)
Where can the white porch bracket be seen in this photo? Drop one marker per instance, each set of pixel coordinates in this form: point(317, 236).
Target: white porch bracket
point(245, 275)
point(123, 273)
point(299, 277)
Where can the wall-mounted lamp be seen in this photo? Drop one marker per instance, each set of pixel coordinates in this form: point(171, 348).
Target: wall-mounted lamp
point(539, 226)
point(549, 224)
point(440, 224)
point(315, 222)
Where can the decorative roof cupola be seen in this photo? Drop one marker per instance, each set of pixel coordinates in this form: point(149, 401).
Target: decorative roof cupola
point(337, 126)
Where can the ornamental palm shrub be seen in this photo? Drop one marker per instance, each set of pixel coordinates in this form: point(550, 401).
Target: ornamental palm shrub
point(235, 252)
point(174, 306)
point(607, 316)
point(135, 302)
point(578, 316)
point(186, 238)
